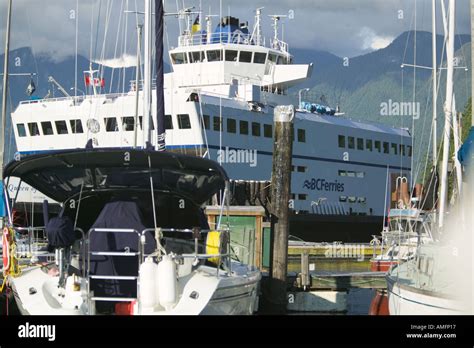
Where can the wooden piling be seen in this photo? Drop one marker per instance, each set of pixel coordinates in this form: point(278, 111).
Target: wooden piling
point(276, 296)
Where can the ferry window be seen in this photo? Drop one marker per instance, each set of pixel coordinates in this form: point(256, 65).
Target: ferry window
point(281, 60)
point(394, 148)
point(301, 169)
point(168, 122)
point(267, 130)
point(179, 58)
point(292, 168)
point(360, 174)
point(272, 57)
point(385, 147)
point(378, 145)
point(256, 129)
point(245, 57)
point(244, 127)
point(183, 121)
point(214, 56)
point(259, 58)
point(409, 150)
point(342, 141)
point(128, 123)
point(352, 199)
point(76, 126)
point(34, 129)
point(111, 124)
point(140, 121)
point(231, 125)
point(342, 173)
point(293, 196)
point(351, 174)
point(301, 135)
point(61, 127)
point(217, 123)
point(302, 197)
point(207, 121)
point(21, 129)
point(368, 144)
point(360, 144)
point(350, 142)
point(231, 55)
point(47, 128)
point(402, 150)
point(196, 57)
point(342, 198)
point(361, 199)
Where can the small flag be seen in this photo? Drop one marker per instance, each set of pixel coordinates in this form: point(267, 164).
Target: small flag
point(196, 25)
point(31, 88)
point(97, 82)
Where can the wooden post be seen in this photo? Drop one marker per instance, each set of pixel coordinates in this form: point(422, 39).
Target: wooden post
point(280, 196)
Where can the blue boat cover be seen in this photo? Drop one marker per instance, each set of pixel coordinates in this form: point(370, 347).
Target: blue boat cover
point(466, 153)
point(3, 210)
point(124, 215)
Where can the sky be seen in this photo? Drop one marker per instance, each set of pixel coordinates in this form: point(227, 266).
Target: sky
point(346, 28)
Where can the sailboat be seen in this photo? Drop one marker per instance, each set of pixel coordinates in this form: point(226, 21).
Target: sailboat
point(131, 237)
point(427, 284)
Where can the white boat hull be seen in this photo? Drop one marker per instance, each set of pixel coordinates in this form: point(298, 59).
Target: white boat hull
point(233, 295)
point(408, 300)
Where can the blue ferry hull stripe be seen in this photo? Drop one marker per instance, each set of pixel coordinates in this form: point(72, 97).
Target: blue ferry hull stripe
point(321, 159)
point(267, 153)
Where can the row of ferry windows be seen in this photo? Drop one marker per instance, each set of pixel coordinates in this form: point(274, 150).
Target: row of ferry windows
point(244, 129)
point(47, 127)
point(371, 145)
point(110, 123)
point(227, 55)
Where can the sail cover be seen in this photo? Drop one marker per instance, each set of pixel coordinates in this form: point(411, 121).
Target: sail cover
point(160, 101)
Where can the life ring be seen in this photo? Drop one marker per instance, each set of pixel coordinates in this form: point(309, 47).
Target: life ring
point(6, 249)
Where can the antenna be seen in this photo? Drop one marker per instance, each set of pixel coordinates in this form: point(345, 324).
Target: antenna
point(276, 19)
point(257, 29)
point(209, 27)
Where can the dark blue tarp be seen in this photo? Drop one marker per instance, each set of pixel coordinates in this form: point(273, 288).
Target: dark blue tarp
point(466, 153)
point(123, 215)
point(60, 232)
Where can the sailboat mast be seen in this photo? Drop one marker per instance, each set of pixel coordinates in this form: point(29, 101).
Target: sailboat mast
point(4, 109)
point(147, 74)
point(448, 111)
point(435, 87)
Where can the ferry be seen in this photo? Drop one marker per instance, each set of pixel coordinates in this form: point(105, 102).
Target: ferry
point(219, 103)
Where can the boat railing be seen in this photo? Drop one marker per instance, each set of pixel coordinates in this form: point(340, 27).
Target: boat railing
point(91, 297)
point(196, 234)
point(239, 38)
